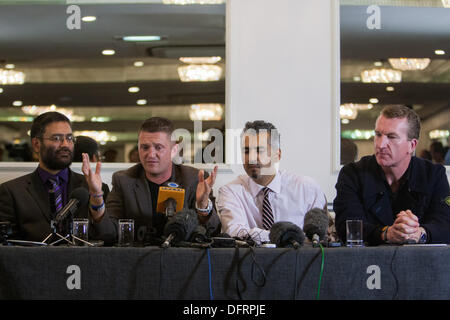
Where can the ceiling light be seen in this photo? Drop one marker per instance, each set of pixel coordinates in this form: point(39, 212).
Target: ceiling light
point(133, 89)
point(199, 72)
point(11, 77)
point(138, 63)
point(345, 121)
point(89, 19)
point(206, 112)
point(348, 111)
point(381, 76)
point(9, 66)
point(17, 103)
point(358, 106)
point(409, 64)
point(141, 38)
point(1, 90)
point(141, 102)
point(390, 89)
point(200, 60)
point(373, 100)
point(378, 63)
point(439, 134)
point(446, 3)
point(184, 2)
point(108, 52)
point(439, 52)
point(358, 134)
point(356, 78)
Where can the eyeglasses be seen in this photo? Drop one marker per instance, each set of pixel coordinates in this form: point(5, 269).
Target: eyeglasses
point(59, 138)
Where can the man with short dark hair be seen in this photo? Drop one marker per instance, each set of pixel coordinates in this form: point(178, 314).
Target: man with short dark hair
point(30, 202)
point(85, 144)
point(399, 197)
point(135, 190)
point(252, 203)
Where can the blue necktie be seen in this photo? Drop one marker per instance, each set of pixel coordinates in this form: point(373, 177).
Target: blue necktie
point(55, 194)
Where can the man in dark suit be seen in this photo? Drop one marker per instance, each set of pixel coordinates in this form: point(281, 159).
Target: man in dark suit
point(26, 202)
point(135, 191)
point(399, 197)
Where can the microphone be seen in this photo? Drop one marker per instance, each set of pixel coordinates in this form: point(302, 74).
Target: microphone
point(170, 199)
point(286, 234)
point(180, 227)
point(315, 225)
point(78, 198)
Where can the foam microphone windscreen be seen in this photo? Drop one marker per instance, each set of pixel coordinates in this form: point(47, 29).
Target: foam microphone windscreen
point(283, 233)
point(316, 222)
point(182, 225)
point(81, 194)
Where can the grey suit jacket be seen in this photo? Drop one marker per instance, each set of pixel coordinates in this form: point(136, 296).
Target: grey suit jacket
point(130, 198)
point(24, 202)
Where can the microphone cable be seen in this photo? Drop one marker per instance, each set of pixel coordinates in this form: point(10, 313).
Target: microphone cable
point(321, 271)
point(211, 296)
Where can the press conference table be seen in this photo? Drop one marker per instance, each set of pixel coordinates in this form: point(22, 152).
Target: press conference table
point(385, 272)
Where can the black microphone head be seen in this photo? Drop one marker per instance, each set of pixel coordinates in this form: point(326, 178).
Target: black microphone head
point(80, 194)
point(316, 222)
point(199, 234)
point(281, 233)
point(182, 225)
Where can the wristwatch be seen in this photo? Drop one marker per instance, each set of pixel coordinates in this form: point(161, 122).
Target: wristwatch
point(423, 236)
point(206, 211)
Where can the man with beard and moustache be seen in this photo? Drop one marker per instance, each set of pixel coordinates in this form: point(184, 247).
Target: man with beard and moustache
point(399, 197)
point(249, 205)
point(25, 201)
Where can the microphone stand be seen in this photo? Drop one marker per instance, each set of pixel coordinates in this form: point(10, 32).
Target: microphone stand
point(70, 238)
point(54, 232)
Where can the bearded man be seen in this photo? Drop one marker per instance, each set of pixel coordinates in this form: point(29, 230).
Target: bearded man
point(29, 203)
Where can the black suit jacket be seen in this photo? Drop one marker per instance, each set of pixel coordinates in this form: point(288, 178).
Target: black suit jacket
point(130, 198)
point(24, 202)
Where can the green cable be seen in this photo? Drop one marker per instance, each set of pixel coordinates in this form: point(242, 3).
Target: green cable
point(321, 271)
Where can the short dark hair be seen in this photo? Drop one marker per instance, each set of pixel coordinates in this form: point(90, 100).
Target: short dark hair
point(157, 124)
point(262, 126)
point(41, 122)
point(84, 144)
point(401, 112)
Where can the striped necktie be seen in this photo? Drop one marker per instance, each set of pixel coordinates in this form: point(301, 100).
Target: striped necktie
point(267, 213)
point(55, 194)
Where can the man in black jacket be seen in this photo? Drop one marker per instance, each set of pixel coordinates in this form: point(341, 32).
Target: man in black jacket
point(399, 197)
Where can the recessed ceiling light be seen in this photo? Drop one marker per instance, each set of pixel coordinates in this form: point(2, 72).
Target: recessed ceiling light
point(390, 89)
point(373, 100)
point(141, 38)
point(138, 63)
point(108, 52)
point(89, 19)
point(133, 89)
point(378, 63)
point(1, 90)
point(9, 66)
point(439, 52)
point(356, 78)
point(200, 60)
point(17, 103)
point(141, 102)
point(345, 121)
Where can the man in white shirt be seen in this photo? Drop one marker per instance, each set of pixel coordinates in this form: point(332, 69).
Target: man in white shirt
point(250, 204)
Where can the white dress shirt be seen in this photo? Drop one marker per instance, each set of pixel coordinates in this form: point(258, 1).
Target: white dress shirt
point(240, 202)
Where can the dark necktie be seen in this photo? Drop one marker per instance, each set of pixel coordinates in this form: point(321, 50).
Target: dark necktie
point(267, 213)
point(55, 194)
